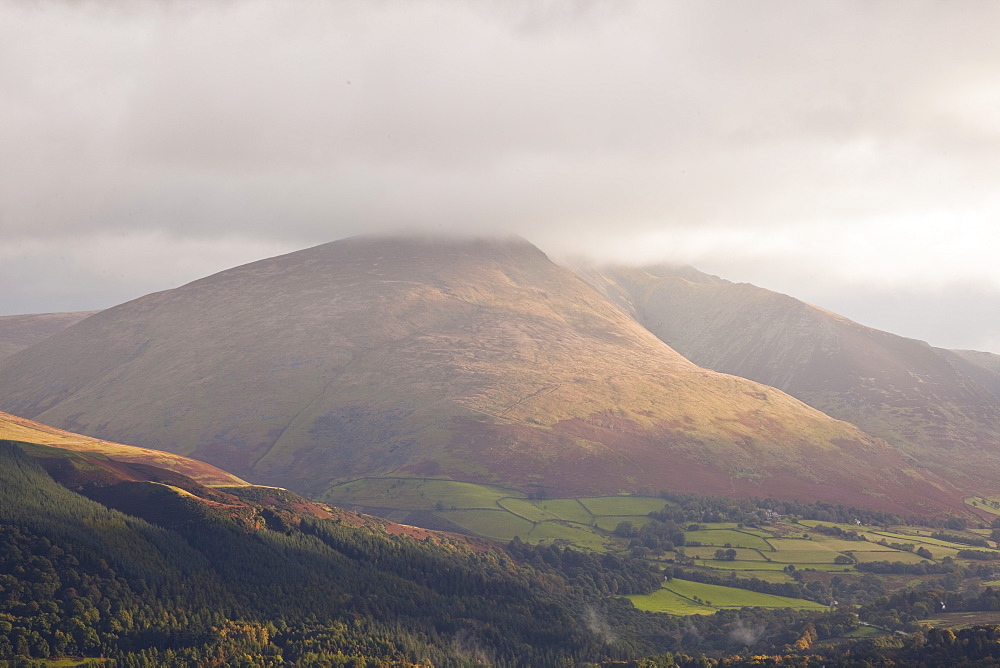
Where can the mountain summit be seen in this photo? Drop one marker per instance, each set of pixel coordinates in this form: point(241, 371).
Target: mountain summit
point(477, 360)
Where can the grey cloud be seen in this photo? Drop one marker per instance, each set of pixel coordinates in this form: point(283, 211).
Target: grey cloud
point(954, 316)
point(582, 125)
point(249, 89)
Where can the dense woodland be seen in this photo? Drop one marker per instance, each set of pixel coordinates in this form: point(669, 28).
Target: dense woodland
point(701, 508)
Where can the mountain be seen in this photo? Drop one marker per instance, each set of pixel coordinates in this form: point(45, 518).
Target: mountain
point(476, 360)
point(941, 407)
point(17, 332)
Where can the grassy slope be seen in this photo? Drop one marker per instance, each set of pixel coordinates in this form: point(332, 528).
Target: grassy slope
point(165, 497)
point(14, 428)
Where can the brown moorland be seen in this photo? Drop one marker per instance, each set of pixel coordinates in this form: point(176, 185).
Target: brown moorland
point(476, 360)
point(17, 332)
point(940, 407)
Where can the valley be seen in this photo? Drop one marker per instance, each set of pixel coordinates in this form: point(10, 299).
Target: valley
point(460, 453)
point(683, 556)
point(492, 334)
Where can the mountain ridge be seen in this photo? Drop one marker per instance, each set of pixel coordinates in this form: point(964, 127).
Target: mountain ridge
point(936, 405)
point(14, 428)
point(18, 332)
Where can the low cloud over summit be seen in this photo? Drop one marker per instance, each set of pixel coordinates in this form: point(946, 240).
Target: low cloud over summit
point(843, 150)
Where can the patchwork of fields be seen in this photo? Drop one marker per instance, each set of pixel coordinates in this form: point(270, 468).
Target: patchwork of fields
point(497, 513)
point(588, 522)
point(772, 552)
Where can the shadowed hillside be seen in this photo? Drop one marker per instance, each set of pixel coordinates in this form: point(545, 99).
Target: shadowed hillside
point(983, 367)
point(482, 361)
point(17, 332)
point(941, 407)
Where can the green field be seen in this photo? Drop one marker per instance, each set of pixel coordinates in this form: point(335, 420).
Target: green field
point(579, 535)
point(916, 539)
point(719, 525)
point(865, 632)
point(767, 576)
point(609, 522)
point(566, 510)
point(526, 509)
point(720, 537)
point(571, 510)
point(713, 597)
point(740, 564)
point(664, 600)
point(905, 557)
point(984, 504)
point(870, 550)
point(852, 545)
point(810, 557)
point(499, 513)
point(490, 523)
point(622, 505)
point(769, 566)
point(805, 545)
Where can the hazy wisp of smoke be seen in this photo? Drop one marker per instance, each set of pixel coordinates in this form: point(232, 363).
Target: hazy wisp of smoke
point(746, 635)
point(465, 645)
point(598, 625)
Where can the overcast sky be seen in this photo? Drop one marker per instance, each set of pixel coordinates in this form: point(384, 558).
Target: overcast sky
point(842, 152)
